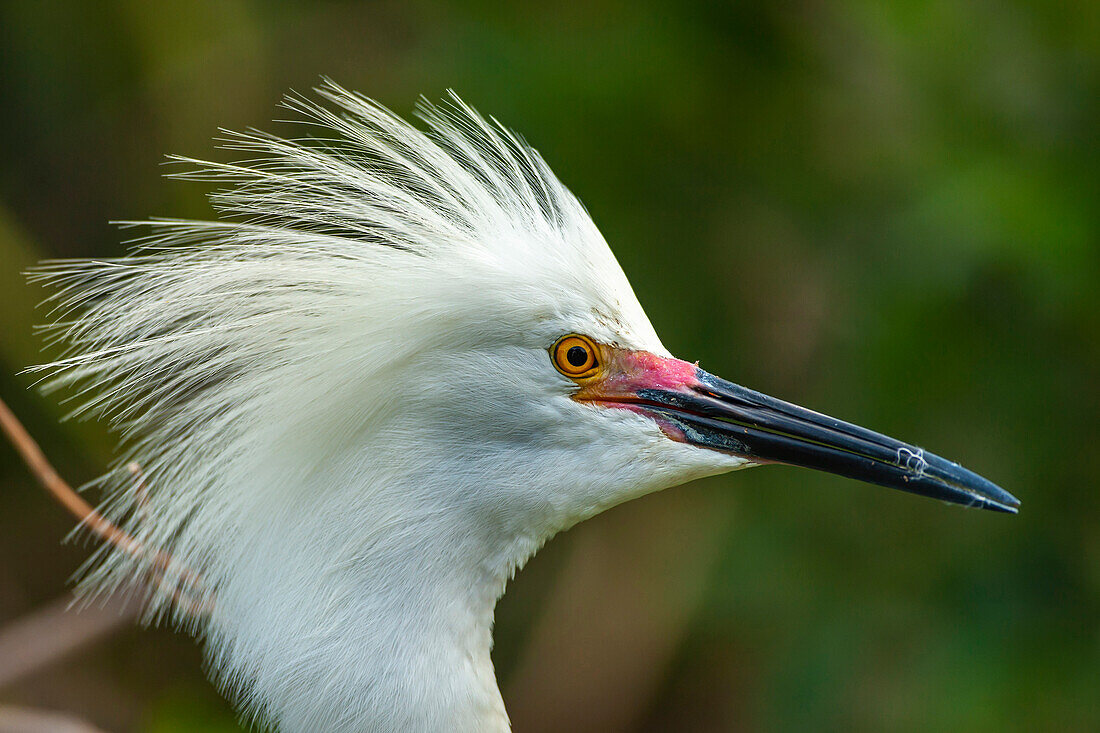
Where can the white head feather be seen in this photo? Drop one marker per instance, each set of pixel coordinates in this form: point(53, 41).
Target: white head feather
point(341, 399)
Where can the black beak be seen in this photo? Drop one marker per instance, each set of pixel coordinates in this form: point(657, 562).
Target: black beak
point(724, 416)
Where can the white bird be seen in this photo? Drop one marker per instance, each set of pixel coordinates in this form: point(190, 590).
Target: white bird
point(398, 364)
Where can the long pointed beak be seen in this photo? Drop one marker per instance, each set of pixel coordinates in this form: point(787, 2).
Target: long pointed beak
point(713, 413)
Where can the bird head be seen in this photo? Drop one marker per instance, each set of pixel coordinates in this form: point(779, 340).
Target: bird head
point(430, 321)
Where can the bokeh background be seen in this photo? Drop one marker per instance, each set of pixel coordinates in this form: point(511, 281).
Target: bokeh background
point(888, 211)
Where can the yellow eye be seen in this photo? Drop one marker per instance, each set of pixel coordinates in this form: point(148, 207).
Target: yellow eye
point(575, 356)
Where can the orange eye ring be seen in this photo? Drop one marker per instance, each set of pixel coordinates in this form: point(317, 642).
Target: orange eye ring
point(575, 356)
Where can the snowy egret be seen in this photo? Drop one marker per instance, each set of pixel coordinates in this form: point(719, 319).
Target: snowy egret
point(362, 399)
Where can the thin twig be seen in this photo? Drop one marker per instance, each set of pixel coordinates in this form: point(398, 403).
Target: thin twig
point(87, 515)
point(36, 461)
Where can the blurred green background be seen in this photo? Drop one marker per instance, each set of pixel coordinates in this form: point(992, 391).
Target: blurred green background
point(887, 211)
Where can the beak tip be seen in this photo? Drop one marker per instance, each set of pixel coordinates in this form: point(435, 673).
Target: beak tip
point(1010, 505)
point(1003, 508)
point(995, 499)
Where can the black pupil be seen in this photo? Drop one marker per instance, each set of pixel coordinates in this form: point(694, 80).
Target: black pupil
point(577, 356)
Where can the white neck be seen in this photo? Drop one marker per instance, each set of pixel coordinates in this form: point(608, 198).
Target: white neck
point(393, 633)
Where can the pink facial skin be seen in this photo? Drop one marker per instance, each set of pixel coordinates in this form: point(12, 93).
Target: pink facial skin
point(626, 372)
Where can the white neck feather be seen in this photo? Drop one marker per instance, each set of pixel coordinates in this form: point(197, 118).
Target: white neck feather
point(392, 633)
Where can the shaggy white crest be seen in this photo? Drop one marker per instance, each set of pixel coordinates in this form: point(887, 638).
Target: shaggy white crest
point(342, 403)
